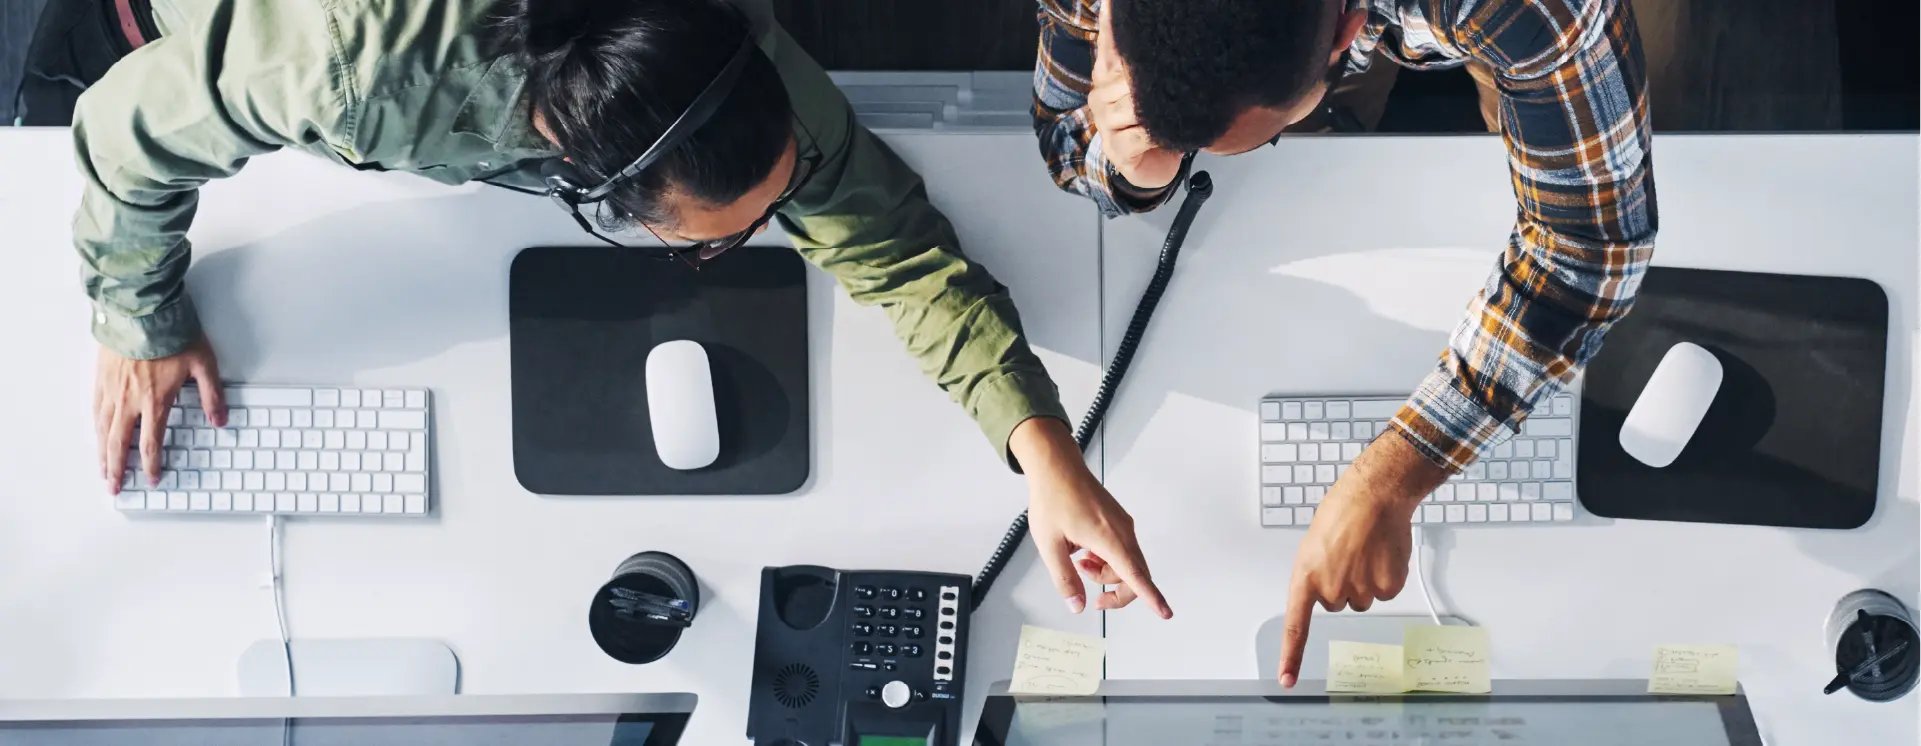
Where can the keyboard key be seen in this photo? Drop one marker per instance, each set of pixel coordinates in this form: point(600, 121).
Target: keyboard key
point(1270, 410)
point(1531, 491)
point(1290, 410)
point(1477, 513)
point(1310, 452)
point(156, 500)
point(1544, 448)
point(176, 500)
point(329, 503)
point(417, 459)
point(391, 504)
point(334, 440)
point(1339, 410)
point(1314, 410)
point(1318, 431)
point(1284, 453)
point(1341, 431)
point(1559, 491)
point(229, 481)
point(1477, 471)
point(1314, 495)
point(1486, 492)
point(1296, 431)
point(1432, 513)
point(349, 503)
point(376, 440)
point(311, 439)
point(350, 461)
point(1277, 516)
point(1547, 427)
point(199, 501)
point(276, 481)
point(1563, 511)
point(417, 504)
point(1270, 496)
point(1303, 516)
point(1350, 451)
point(243, 460)
point(1444, 493)
point(1303, 474)
point(1504, 449)
point(323, 418)
point(350, 397)
point(1497, 470)
point(1340, 472)
point(188, 480)
point(326, 397)
point(1277, 475)
point(346, 418)
point(357, 440)
point(397, 441)
point(1376, 409)
point(402, 420)
point(1563, 468)
point(285, 460)
point(282, 502)
point(242, 501)
point(394, 462)
point(392, 398)
point(416, 482)
point(268, 397)
point(1363, 431)
point(1524, 448)
point(1273, 432)
point(416, 400)
point(1456, 513)
point(1563, 406)
point(280, 417)
point(329, 461)
point(1324, 473)
point(309, 461)
point(1541, 511)
point(307, 503)
point(1293, 495)
point(249, 439)
point(203, 438)
point(1542, 469)
point(223, 459)
point(253, 481)
point(202, 460)
point(337, 482)
point(303, 418)
point(1509, 492)
point(1517, 470)
point(1497, 513)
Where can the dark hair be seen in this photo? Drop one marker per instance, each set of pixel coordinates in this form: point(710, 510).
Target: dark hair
point(1194, 65)
point(609, 76)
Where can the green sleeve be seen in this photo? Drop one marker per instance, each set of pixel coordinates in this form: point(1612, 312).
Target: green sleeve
point(190, 107)
point(864, 217)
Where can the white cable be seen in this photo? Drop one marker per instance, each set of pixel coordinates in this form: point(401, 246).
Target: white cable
point(280, 617)
point(1420, 574)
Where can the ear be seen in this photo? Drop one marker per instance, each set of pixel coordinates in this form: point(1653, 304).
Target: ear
point(1346, 28)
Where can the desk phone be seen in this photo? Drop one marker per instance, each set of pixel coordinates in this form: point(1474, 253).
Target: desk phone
point(858, 658)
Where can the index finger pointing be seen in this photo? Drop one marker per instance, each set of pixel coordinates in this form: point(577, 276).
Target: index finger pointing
point(1300, 612)
point(1132, 569)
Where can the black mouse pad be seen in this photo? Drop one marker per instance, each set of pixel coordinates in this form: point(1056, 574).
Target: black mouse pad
point(1793, 437)
point(583, 320)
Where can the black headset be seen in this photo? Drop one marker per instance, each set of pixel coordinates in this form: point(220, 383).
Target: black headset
point(564, 179)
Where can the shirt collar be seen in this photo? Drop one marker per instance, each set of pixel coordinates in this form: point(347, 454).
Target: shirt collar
point(496, 111)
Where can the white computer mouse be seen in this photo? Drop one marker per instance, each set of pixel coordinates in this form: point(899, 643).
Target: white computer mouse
point(1669, 409)
point(680, 402)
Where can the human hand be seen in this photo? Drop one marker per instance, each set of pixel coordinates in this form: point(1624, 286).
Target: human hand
point(1356, 550)
point(1069, 511)
point(129, 393)
point(1110, 103)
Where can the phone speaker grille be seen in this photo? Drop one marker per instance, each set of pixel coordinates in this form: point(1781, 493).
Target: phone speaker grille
point(795, 685)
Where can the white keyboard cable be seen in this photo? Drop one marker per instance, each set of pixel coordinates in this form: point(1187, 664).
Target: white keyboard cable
point(1420, 573)
point(280, 617)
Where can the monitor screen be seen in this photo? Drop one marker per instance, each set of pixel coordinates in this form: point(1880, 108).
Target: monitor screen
point(557, 730)
point(1242, 720)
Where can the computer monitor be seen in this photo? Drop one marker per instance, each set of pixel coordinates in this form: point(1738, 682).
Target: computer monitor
point(476, 720)
point(1253, 713)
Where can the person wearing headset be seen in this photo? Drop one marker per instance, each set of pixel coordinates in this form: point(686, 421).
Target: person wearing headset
point(1126, 90)
point(684, 118)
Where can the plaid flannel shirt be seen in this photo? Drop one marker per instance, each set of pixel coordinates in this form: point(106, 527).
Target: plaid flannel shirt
point(1574, 114)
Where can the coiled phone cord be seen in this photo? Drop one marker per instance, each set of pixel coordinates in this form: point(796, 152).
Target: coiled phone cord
point(1199, 187)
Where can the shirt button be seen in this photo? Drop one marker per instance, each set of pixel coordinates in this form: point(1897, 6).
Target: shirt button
point(485, 164)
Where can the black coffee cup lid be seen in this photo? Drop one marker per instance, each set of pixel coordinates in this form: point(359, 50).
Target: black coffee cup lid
point(638, 616)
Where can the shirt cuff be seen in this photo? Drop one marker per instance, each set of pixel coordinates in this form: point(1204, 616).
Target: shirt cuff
point(1447, 425)
point(167, 331)
point(1003, 403)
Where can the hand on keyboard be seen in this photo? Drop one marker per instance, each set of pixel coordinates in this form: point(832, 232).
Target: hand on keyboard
point(1069, 510)
point(132, 393)
point(1356, 550)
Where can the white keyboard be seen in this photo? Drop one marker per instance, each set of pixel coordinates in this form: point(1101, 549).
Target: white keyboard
point(292, 450)
point(1308, 442)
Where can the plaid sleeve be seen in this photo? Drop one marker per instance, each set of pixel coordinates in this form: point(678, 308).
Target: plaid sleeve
point(1068, 140)
point(1574, 114)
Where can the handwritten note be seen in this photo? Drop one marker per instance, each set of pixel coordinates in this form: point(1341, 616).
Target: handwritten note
point(1446, 659)
point(1693, 669)
point(1365, 667)
point(1051, 662)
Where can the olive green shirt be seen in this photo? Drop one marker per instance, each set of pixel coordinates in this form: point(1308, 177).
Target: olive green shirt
point(412, 85)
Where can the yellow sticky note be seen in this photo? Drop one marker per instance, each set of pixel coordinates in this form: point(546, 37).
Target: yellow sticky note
point(1052, 662)
point(1447, 659)
point(1693, 669)
point(1365, 667)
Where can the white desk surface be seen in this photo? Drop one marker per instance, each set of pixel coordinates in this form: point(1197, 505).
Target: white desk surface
point(1338, 265)
point(311, 273)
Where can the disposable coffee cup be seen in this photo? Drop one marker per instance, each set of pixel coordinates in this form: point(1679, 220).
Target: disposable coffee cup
point(1868, 625)
point(638, 615)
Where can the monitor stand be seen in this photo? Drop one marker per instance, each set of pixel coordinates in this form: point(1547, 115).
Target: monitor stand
point(350, 668)
point(1375, 627)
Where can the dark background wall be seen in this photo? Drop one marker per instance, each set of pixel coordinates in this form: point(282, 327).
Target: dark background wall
point(1717, 65)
